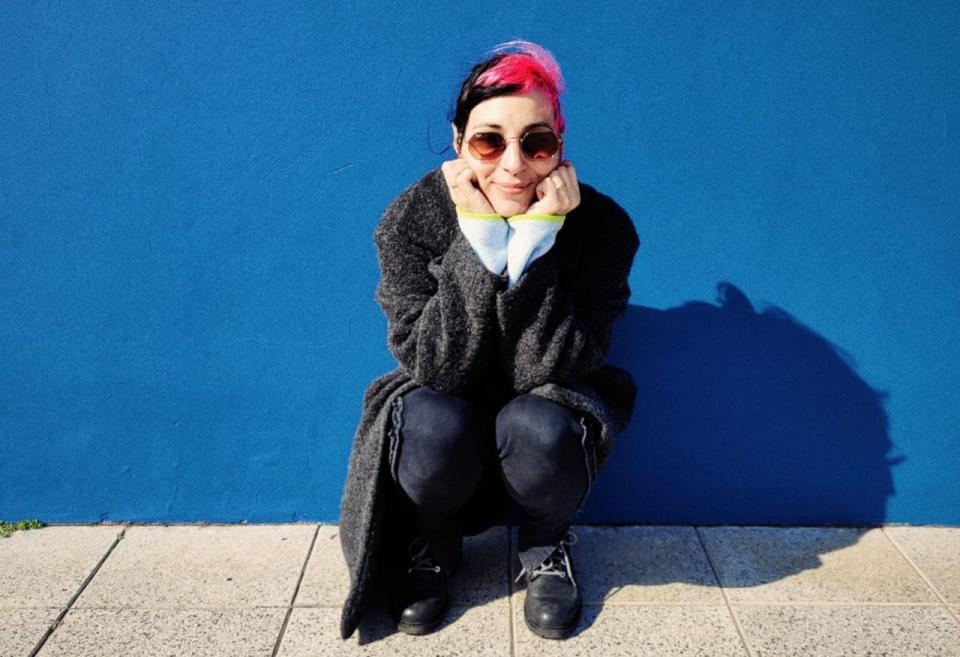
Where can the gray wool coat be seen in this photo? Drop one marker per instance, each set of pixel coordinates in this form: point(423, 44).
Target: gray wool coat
point(454, 325)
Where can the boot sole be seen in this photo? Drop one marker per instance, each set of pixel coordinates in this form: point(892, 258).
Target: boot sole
point(554, 632)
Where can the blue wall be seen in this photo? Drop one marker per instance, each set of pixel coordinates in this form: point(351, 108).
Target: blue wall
point(188, 193)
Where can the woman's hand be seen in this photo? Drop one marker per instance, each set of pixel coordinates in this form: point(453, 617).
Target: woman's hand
point(558, 193)
point(463, 186)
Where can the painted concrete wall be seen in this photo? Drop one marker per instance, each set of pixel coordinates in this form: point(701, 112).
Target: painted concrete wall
point(188, 192)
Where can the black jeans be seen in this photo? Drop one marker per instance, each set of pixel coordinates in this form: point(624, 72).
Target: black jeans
point(445, 444)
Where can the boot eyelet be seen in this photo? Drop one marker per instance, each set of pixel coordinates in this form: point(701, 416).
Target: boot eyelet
point(436, 569)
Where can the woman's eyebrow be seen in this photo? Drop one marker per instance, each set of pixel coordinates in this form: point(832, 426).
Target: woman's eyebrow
point(497, 126)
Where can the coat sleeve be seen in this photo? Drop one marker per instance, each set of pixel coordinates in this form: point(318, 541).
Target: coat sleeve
point(439, 308)
point(549, 333)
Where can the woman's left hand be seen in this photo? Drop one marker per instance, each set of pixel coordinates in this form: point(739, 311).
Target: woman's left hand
point(558, 193)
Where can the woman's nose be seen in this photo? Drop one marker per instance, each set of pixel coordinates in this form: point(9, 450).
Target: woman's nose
point(512, 159)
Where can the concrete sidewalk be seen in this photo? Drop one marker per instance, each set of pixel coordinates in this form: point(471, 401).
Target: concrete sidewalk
point(237, 590)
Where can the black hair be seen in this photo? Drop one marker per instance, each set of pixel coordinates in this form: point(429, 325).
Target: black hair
point(472, 95)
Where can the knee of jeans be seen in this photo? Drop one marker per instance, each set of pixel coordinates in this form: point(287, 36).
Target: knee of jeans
point(437, 481)
point(534, 425)
point(436, 460)
point(438, 490)
point(439, 424)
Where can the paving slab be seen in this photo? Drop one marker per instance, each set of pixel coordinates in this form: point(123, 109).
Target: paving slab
point(45, 567)
point(191, 566)
point(471, 631)
point(936, 552)
point(21, 629)
point(808, 631)
point(165, 633)
point(812, 565)
point(636, 565)
point(482, 579)
point(630, 630)
point(326, 580)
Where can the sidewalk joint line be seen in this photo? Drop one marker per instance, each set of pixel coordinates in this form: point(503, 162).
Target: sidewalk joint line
point(510, 586)
point(923, 576)
point(296, 591)
point(169, 607)
point(723, 592)
point(56, 623)
point(829, 604)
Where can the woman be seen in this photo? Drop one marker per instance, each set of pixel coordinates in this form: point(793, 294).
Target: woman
point(501, 277)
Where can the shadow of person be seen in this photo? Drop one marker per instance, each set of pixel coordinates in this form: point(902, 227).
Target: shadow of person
point(742, 417)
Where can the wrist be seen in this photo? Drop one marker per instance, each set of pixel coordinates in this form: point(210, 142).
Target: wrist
point(473, 214)
point(519, 219)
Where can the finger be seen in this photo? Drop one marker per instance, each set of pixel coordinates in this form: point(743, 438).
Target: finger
point(451, 169)
point(544, 187)
point(457, 167)
point(565, 174)
point(561, 188)
point(560, 184)
point(459, 186)
point(469, 191)
point(570, 191)
point(447, 170)
point(552, 198)
point(569, 173)
point(465, 180)
point(574, 188)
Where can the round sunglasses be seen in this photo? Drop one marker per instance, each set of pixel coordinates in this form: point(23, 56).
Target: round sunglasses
point(538, 145)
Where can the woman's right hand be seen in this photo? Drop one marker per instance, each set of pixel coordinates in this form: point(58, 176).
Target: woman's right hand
point(462, 184)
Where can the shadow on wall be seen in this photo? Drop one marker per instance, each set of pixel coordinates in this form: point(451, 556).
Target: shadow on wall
point(743, 418)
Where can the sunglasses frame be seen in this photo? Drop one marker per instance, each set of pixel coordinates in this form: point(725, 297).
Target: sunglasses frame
point(499, 153)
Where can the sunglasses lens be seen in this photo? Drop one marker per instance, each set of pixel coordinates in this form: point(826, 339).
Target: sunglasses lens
point(487, 145)
point(540, 145)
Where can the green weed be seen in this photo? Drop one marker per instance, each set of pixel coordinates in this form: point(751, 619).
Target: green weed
point(7, 528)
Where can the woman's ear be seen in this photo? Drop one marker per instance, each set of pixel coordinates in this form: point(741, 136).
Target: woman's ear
point(456, 138)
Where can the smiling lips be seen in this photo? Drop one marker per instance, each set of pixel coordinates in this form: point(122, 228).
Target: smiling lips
point(512, 189)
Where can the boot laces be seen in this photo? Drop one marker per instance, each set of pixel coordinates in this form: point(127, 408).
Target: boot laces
point(421, 558)
point(557, 564)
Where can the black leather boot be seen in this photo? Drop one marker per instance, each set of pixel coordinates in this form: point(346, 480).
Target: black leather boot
point(552, 606)
point(419, 597)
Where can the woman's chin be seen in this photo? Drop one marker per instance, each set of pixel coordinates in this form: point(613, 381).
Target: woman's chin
point(508, 207)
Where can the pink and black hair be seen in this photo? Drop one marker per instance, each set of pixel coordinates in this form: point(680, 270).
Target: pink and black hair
point(514, 67)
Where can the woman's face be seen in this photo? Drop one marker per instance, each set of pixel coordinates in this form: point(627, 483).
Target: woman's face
point(510, 182)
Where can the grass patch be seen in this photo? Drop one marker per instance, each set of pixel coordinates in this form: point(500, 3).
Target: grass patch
point(7, 528)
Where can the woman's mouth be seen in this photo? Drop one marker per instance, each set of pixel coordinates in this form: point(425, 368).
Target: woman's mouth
point(512, 189)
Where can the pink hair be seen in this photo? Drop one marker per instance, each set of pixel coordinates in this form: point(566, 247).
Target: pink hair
point(531, 67)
